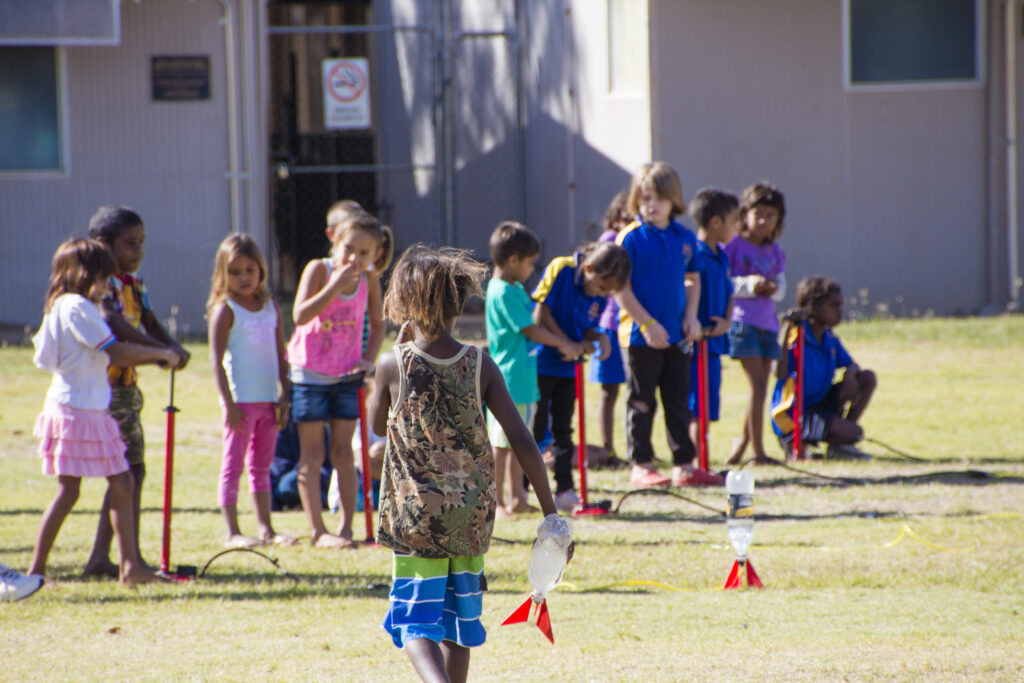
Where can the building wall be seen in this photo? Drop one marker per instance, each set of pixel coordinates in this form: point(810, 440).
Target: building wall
point(167, 160)
point(886, 192)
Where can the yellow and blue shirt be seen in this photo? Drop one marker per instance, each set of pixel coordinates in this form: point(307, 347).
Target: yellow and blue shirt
point(561, 289)
point(661, 259)
point(821, 360)
point(128, 297)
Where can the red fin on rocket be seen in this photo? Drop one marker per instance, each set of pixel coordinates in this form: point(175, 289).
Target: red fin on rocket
point(521, 615)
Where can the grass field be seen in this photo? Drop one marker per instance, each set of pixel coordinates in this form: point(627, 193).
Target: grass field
point(897, 570)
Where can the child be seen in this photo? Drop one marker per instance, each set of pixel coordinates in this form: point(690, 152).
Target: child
point(831, 411)
point(510, 331)
point(328, 361)
point(77, 436)
point(247, 353)
point(611, 372)
point(658, 323)
point(569, 299)
point(758, 267)
point(717, 216)
point(437, 493)
point(126, 309)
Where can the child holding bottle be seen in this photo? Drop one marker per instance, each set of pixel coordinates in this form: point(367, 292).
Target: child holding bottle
point(249, 369)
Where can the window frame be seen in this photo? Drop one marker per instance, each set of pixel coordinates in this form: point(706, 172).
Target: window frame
point(63, 168)
point(978, 81)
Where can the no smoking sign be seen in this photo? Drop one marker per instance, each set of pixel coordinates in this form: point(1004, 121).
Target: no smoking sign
point(346, 93)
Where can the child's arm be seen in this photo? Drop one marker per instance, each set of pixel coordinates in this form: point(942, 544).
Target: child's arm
point(722, 323)
point(495, 395)
point(691, 325)
point(125, 355)
point(604, 346)
point(162, 336)
point(221, 320)
point(377, 329)
point(569, 349)
point(380, 398)
point(542, 335)
point(653, 332)
point(316, 290)
point(284, 401)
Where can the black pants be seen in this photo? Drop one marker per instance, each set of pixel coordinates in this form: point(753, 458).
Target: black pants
point(557, 399)
point(667, 370)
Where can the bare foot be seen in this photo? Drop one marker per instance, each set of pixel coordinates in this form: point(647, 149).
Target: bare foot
point(765, 460)
point(101, 570)
point(137, 576)
point(501, 512)
point(277, 539)
point(523, 508)
point(332, 541)
point(240, 541)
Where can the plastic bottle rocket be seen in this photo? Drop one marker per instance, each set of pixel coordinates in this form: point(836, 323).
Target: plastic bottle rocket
point(739, 487)
point(550, 555)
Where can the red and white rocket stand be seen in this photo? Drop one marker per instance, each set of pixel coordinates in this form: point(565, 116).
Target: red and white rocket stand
point(183, 572)
point(798, 394)
point(739, 487)
point(702, 403)
point(753, 581)
point(585, 508)
point(364, 441)
point(539, 610)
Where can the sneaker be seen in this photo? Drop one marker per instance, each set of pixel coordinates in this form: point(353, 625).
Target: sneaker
point(787, 445)
point(649, 479)
point(698, 478)
point(846, 452)
point(15, 586)
point(566, 501)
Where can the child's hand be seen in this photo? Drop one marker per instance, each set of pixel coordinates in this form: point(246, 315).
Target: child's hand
point(766, 287)
point(656, 336)
point(692, 329)
point(721, 326)
point(281, 411)
point(604, 347)
point(183, 354)
point(405, 333)
point(570, 351)
point(345, 276)
point(235, 418)
point(849, 390)
point(168, 359)
point(363, 366)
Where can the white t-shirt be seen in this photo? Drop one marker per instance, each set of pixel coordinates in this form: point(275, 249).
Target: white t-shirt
point(250, 359)
point(70, 344)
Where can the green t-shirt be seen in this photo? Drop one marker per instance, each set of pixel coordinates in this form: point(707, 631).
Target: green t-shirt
point(509, 310)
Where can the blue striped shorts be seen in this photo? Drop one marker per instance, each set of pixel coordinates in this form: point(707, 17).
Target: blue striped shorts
point(439, 599)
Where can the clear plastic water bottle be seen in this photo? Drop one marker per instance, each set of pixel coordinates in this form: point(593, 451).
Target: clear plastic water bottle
point(550, 554)
point(739, 486)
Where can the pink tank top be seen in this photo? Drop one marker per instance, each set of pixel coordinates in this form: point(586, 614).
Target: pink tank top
point(332, 342)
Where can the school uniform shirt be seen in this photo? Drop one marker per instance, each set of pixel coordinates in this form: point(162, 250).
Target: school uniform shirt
point(715, 291)
point(508, 310)
point(129, 298)
point(821, 360)
point(561, 290)
point(661, 259)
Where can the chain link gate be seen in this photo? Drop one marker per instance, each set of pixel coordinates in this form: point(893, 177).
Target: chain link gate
point(441, 162)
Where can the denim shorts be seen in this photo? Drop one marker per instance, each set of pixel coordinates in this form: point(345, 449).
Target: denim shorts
point(322, 402)
point(747, 341)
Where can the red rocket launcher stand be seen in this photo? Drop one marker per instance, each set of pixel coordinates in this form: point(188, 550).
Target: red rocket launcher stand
point(522, 615)
point(702, 403)
point(798, 394)
point(364, 440)
point(585, 508)
point(184, 572)
point(753, 581)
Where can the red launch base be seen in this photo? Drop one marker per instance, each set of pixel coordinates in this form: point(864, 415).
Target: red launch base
point(734, 576)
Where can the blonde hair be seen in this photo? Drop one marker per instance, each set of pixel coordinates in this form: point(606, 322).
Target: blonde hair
point(77, 265)
point(663, 181)
point(430, 287)
point(234, 246)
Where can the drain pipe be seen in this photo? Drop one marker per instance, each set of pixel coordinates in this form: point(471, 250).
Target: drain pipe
point(234, 176)
point(570, 127)
point(1012, 245)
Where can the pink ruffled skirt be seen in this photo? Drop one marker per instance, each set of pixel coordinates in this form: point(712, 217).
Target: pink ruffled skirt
point(79, 443)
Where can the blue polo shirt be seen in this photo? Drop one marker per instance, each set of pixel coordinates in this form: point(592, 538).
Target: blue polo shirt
point(715, 291)
point(821, 360)
point(661, 259)
point(561, 290)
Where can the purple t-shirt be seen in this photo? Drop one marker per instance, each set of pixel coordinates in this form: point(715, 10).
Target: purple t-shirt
point(747, 258)
point(610, 315)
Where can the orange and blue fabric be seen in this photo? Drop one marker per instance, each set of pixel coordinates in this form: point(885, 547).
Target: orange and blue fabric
point(821, 360)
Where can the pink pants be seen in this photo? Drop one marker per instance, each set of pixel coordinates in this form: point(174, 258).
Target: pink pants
point(252, 446)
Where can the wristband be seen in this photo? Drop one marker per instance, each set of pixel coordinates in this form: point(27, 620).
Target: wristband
point(643, 328)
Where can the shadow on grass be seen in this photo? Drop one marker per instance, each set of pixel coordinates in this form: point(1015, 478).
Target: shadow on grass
point(95, 511)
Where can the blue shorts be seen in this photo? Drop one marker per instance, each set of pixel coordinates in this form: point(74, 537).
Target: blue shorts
point(714, 384)
point(747, 341)
point(323, 402)
point(611, 370)
point(438, 599)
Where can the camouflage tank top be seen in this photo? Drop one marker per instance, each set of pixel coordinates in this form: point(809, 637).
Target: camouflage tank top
point(437, 495)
